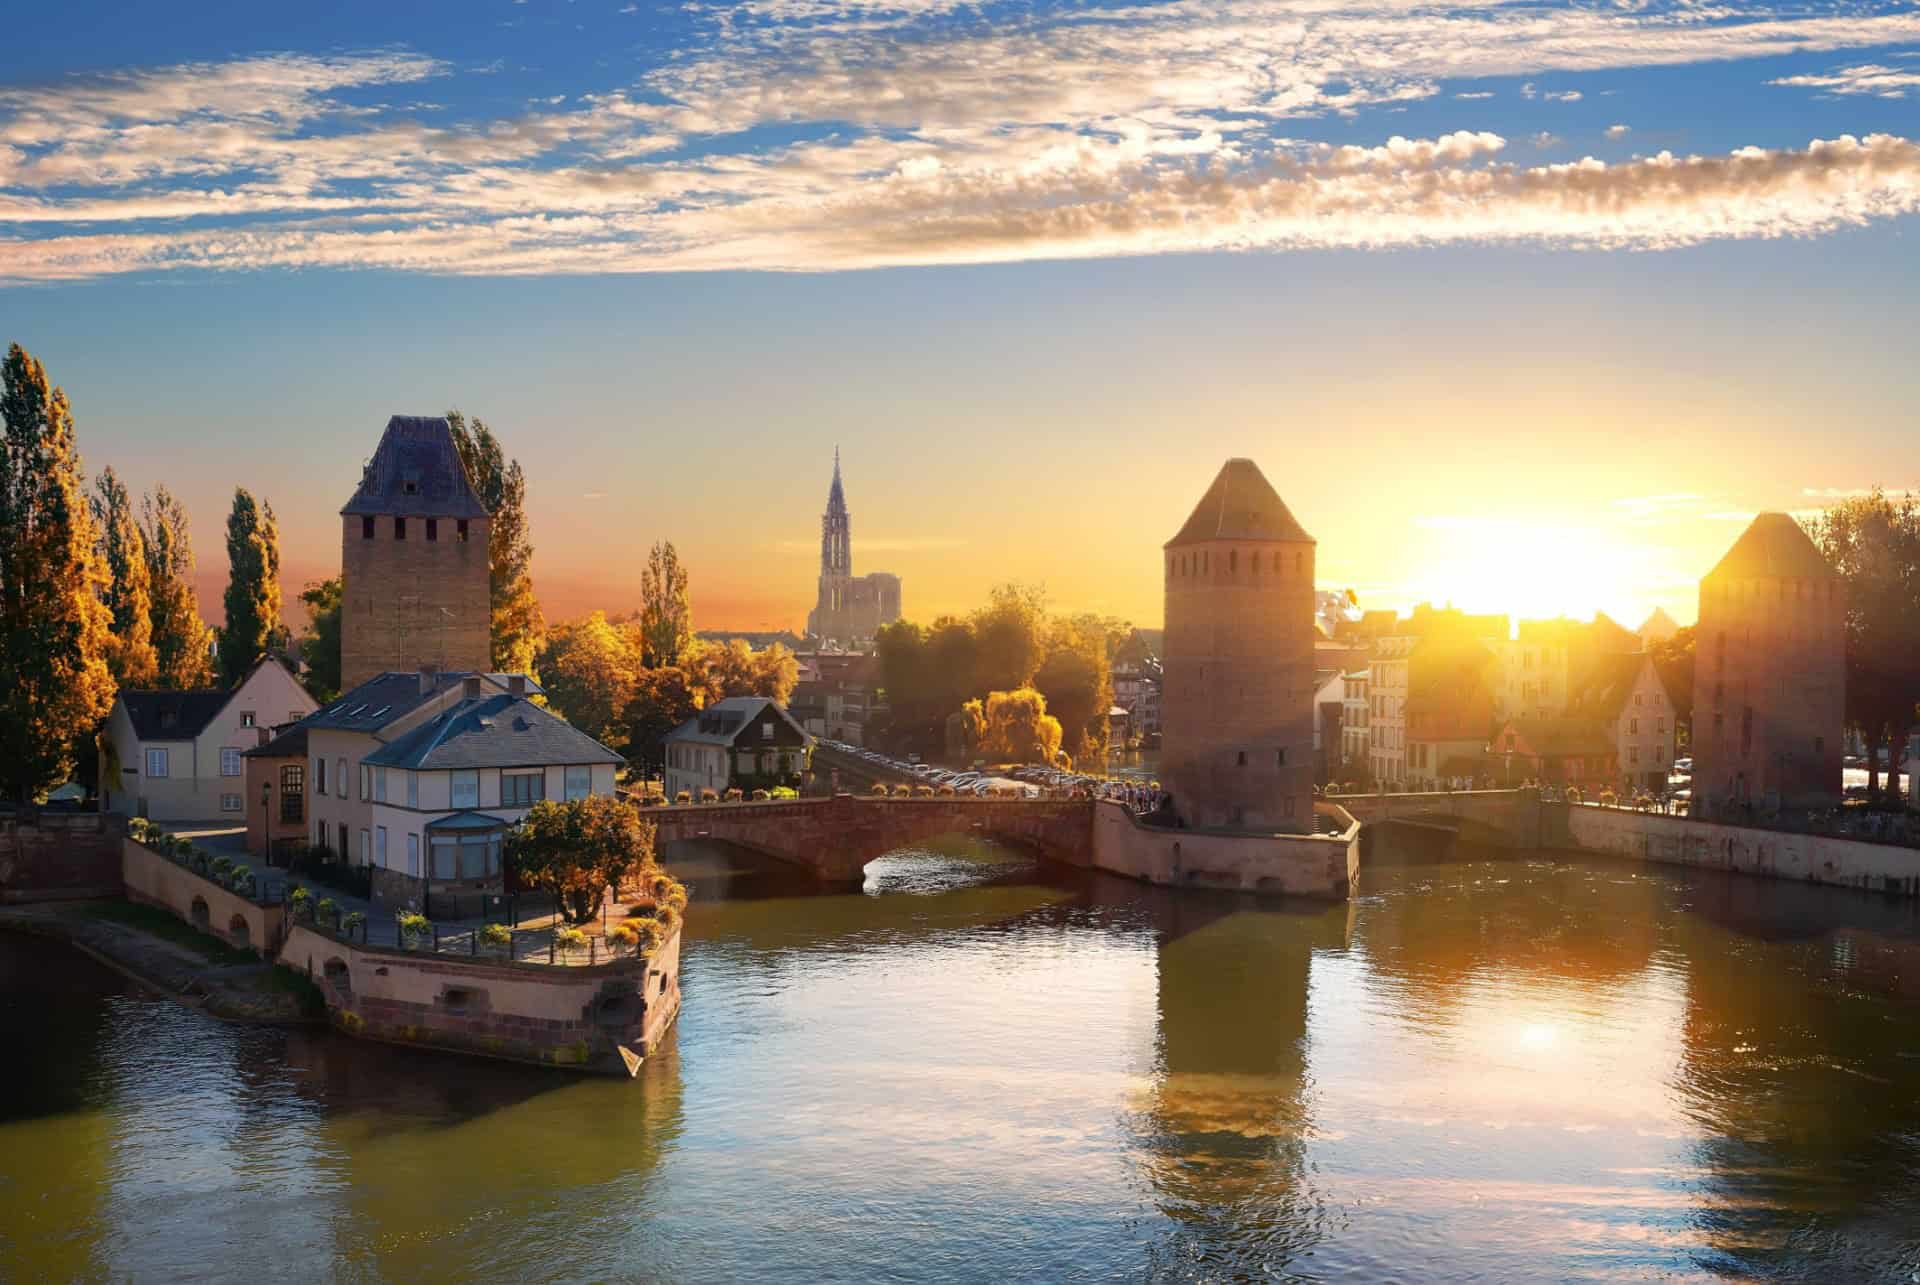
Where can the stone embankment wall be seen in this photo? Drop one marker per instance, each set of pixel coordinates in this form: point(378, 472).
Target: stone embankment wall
point(147, 876)
point(1290, 864)
point(1680, 841)
point(59, 856)
point(605, 1018)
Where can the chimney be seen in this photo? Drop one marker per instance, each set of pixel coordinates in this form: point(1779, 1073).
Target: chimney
point(470, 687)
point(516, 684)
point(429, 680)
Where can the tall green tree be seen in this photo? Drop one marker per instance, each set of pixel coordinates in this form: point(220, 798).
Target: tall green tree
point(519, 629)
point(666, 616)
point(55, 627)
point(182, 642)
point(129, 595)
point(253, 585)
point(588, 669)
point(1873, 542)
point(320, 642)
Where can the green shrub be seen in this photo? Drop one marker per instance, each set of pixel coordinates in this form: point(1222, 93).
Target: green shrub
point(783, 792)
point(413, 924)
point(760, 796)
point(733, 794)
point(354, 921)
point(569, 938)
point(878, 790)
point(326, 910)
point(238, 875)
point(220, 865)
point(496, 935)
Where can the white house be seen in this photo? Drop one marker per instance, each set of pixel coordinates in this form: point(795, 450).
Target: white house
point(745, 741)
point(175, 756)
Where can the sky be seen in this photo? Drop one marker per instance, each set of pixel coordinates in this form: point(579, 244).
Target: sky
point(1521, 306)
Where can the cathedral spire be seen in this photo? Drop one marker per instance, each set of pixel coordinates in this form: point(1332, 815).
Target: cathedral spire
point(836, 552)
point(836, 498)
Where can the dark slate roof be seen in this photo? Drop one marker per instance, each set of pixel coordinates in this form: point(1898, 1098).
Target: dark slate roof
point(290, 744)
point(495, 730)
point(416, 450)
point(1602, 692)
point(387, 697)
point(173, 716)
point(1240, 505)
point(1774, 545)
point(722, 722)
point(1560, 737)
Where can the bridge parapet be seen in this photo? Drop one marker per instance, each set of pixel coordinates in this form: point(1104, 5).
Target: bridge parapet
point(1511, 816)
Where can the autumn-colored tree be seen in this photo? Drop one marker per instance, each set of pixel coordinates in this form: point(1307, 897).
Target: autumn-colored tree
point(1019, 729)
point(1077, 681)
point(663, 698)
point(182, 643)
point(129, 588)
point(721, 670)
point(55, 627)
point(519, 629)
point(1873, 542)
point(666, 617)
point(578, 849)
point(588, 669)
point(1010, 636)
point(320, 643)
point(253, 585)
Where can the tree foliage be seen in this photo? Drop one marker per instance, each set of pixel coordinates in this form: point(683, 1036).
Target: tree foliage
point(1010, 635)
point(181, 640)
point(253, 585)
point(320, 643)
point(578, 849)
point(1018, 729)
point(1076, 677)
point(1673, 661)
point(55, 627)
point(588, 670)
point(128, 594)
point(666, 617)
point(1873, 542)
point(519, 629)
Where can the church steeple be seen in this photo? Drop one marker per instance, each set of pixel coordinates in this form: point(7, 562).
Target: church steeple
point(836, 554)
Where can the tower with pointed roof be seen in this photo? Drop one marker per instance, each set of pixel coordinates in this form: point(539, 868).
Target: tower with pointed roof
point(1769, 666)
point(413, 559)
point(1236, 716)
point(849, 609)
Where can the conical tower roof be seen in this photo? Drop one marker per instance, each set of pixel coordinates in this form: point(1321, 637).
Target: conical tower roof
point(1240, 505)
point(836, 498)
point(1774, 545)
point(416, 470)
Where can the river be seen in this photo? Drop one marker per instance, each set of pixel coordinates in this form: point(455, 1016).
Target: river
point(984, 1069)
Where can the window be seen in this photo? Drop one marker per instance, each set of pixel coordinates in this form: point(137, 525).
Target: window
point(156, 763)
point(413, 789)
point(399, 528)
point(379, 785)
point(413, 854)
point(766, 730)
point(343, 849)
point(320, 784)
point(293, 784)
point(366, 781)
point(522, 789)
point(1819, 745)
point(1280, 758)
point(380, 846)
point(229, 803)
point(433, 528)
point(1659, 754)
point(466, 789)
point(229, 761)
point(1636, 698)
point(460, 530)
point(366, 527)
point(366, 846)
point(1241, 758)
point(1633, 726)
point(579, 782)
point(1633, 753)
point(410, 486)
point(246, 718)
point(340, 775)
point(444, 851)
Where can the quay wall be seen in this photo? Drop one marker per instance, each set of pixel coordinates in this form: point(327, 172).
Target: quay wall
point(59, 856)
point(606, 1018)
point(1286, 864)
point(1682, 841)
point(147, 876)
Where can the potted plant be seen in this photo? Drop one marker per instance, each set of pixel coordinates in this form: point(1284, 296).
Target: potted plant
point(497, 938)
point(415, 928)
point(567, 937)
point(355, 921)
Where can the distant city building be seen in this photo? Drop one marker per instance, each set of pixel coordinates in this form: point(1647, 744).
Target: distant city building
point(1237, 712)
point(850, 609)
point(1329, 720)
point(1355, 728)
point(1539, 669)
point(837, 695)
point(1657, 627)
point(413, 559)
point(1624, 696)
point(1770, 673)
point(744, 741)
point(1448, 711)
point(1137, 680)
point(1390, 680)
point(1564, 750)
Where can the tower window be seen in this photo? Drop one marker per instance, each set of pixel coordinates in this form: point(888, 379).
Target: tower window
point(433, 528)
point(399, 528)
point(366, 526)
point(1241, 758)
point(460, 531)
point(410, 487)
point(1280, 758)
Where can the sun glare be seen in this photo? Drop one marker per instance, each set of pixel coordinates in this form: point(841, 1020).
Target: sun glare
point(1531, 570)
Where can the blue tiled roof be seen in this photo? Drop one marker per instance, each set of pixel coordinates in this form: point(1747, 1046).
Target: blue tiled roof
point(492, 731)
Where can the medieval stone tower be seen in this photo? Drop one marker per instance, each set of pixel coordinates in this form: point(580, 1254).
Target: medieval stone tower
point(1769, 666)
point(1237, 711)
point(413, 559)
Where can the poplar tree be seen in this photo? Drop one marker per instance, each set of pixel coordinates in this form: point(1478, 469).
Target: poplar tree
point(129, 588)
point(518, 629)
point(181, 640)
point(55, 628)
point(253, 585)
point(666, 617)
point(320, 644)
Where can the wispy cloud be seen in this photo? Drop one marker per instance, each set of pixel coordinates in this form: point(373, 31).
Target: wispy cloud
point(1617, 132)
point(1873, 79)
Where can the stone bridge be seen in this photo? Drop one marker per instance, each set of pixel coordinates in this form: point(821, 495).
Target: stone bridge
point(1503, 818)
point(836, 837)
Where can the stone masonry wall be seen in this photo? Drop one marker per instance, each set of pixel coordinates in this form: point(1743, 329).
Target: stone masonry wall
point(59, 856)
point(413, 602)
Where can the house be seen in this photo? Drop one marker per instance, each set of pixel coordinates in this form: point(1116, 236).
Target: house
point(837, 695)
point(276, 794)
point(1355, 733)
point(446, 792)
point(747, 742)
point(1329, 714)
point(1565, 750)
point(1625, 696)
point(1449, 709)
point(1657, 627)
point(1391, 683)
point(176, 756)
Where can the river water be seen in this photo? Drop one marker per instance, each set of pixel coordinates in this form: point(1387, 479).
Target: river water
point(984, 1069)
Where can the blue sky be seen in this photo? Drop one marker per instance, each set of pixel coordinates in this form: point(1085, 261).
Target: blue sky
point(1450, 272)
